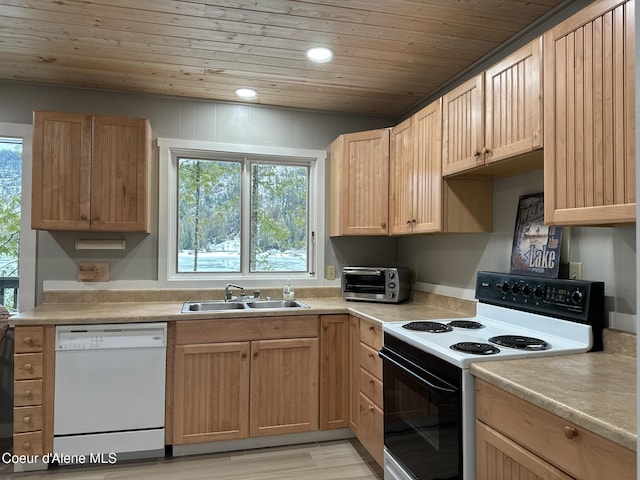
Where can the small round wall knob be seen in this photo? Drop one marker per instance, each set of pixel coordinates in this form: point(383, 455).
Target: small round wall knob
point(570, 432)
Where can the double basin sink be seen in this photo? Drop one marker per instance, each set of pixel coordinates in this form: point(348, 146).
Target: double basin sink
point(231, 306)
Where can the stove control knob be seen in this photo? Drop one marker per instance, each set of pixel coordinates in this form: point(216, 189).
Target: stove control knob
point(392, 285)
point(506, 287)
point(515, 288)
point(526, 290)
point(576, 297)
point(538, 291)
point(392, 275)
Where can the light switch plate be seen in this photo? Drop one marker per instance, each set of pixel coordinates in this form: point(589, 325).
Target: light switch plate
point(575, 270)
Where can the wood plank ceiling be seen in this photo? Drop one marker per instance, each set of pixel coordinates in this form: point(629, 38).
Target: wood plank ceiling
point(389, 54)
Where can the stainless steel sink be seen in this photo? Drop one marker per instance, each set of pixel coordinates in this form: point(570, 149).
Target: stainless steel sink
point(277, 304)
point(224, 306)
point(212, 306)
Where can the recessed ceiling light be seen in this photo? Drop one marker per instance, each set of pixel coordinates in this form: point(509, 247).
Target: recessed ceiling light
point(319, 54)
point(246, 93)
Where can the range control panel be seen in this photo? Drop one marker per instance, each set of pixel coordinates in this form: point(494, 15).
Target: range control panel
point(577, 300)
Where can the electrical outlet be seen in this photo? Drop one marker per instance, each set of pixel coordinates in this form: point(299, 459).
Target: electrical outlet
point(575, 270)
point(331, 272)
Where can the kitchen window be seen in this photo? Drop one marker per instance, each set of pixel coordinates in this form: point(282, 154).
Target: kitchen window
point(238, 212)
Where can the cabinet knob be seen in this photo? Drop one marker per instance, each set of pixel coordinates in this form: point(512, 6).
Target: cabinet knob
point(408, 222)
point(27, 393)
point(371, 328)
point(26, 420)
point(372, 382)
point(244, 355)
point(255, 355)
point(371, 355)
point(83, 217)
point(477, 154)
point(371, 408)
point(28, 366)
point(570, 432)
point(383, 225)
point(28, 340)
point(26, 446)
point(485, 151)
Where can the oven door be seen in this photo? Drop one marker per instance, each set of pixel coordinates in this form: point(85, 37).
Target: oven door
point(422, 412)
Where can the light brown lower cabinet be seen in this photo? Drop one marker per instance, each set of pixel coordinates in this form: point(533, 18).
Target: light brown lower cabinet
point(334, 372)
point(284, 386)
point(248, 378)
point(34, 352)
point(366, 387)
point(517, 440)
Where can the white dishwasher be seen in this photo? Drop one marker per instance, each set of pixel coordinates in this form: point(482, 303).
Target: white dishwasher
point(110, 389)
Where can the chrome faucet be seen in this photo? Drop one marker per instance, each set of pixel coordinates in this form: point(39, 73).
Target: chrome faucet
point(227, 291)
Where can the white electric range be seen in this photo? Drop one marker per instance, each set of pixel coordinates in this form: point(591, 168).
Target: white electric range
point(429, 394)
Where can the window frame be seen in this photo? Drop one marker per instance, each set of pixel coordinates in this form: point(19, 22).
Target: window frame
point(27, 256)
point(170, 149)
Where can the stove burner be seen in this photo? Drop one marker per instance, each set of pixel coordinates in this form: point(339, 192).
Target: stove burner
point(475, 348)
point(465, 324)
point(431, 327)
point(520, 342)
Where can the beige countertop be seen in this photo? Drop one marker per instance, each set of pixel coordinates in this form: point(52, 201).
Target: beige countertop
point(427, 307)
point(595, 390)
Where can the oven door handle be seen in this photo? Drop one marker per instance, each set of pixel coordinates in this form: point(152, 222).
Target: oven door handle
point(437, 388)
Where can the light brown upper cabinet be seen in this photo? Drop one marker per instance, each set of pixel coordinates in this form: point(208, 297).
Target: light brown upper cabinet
point(420, 201)
point(359, 202)
point(90, 172)
point(415, 177)
point(495, 115)
point(589, 148)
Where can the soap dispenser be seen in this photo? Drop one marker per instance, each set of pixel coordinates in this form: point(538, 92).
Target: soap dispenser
point(288, 292)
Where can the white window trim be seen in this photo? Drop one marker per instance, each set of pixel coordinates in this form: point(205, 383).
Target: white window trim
point(27, 257)
point(168, 151)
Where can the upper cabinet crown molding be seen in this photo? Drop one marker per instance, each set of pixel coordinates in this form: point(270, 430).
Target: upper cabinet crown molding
point(589, 115)
point(90, 172)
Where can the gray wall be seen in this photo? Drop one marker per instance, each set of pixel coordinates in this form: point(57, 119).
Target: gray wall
point(171, 118)
point(607, 253)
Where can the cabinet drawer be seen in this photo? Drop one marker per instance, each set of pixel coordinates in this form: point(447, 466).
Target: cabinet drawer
point(28, 443)
point(371, 387)
point(27, 392)
point(370, 361)
point(571, 448)
point(371, 335)
point(27, 419)
point(190, 332)
point(28, 339)
point(27, 366)
point(370, 430)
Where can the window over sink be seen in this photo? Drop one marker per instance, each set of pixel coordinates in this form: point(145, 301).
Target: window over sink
point(239, 211)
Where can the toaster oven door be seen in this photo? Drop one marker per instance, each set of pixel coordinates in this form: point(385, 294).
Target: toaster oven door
point(364, 282)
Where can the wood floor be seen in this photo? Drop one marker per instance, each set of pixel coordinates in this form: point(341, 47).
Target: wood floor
point(337, 460)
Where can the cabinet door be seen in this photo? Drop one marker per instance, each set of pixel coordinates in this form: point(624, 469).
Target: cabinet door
point(211, 392)
point(463, 127)
point(401, 178)
point(513, 104)
point(284, 386)
point(427, 169)
point(120, 174)
point(354, 373)
point(61, 180)
point(499, 457)
point(334, 372)
point(360, 184)
point(589, 116)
